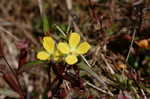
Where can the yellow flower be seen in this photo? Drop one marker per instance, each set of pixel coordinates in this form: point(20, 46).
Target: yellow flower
point(73, 49)
point(49, 46)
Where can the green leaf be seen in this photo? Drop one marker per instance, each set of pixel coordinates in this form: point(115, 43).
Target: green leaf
point(83, 66)
point(9, 93)
point(31, 63)
point(45, 24)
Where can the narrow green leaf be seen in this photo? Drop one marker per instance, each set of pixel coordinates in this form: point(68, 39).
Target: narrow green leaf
point(85, 67)
point(45, 24)
point(34, 63)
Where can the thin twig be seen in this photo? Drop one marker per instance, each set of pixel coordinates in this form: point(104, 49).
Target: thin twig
point(133, 37)
point(14, 72)
point(69, 4)
point(9, 65)
point(86, 61)
point(143, 93)
point(107, 64)
point(99, 89)
point(40, 4)
point(61, 31)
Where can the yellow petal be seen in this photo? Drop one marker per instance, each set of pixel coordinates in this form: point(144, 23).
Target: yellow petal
point(48, 44)
point(42, 55)
point(63, 48)
point(83, 48)
point(56, 55)
point(71, 59)
point(74, 40)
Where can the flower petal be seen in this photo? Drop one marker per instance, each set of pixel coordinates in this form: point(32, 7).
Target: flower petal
point(48, 44)
point(74, 40)
point(83, 48)
point(71, 59)
point(42, 55)
point(63, 47)
point(56, 55)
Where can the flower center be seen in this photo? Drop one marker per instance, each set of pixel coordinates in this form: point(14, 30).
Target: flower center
point(73, 51)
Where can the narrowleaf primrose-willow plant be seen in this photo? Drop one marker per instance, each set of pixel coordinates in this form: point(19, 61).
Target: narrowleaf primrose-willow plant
point(68, 51)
